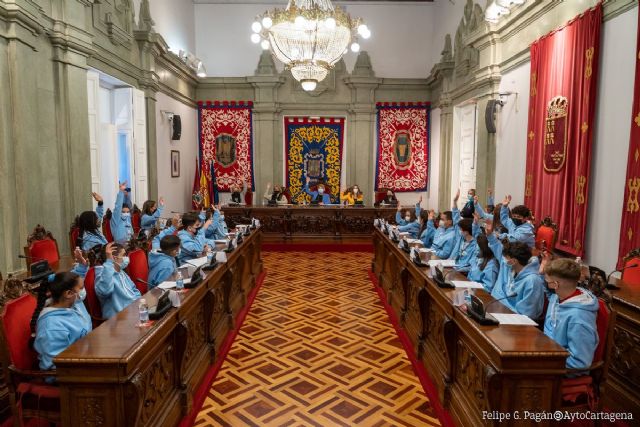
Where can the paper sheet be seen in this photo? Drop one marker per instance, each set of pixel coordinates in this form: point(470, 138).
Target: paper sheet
point(513, 319)
point(444, 262)
point(170, 285)
point(197, 262)
point(466, 284)
point(425, 250)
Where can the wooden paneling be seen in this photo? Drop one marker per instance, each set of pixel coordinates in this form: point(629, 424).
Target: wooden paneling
point(122, 374)
point(474, 368)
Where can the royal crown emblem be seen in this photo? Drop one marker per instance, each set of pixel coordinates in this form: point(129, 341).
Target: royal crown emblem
point(555, 137)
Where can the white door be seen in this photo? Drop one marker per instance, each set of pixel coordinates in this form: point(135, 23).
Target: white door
point(93, 86)
point(464, 149)
point(140, 186)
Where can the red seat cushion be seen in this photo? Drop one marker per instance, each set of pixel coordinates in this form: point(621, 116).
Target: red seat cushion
point(631, 275)
point(106, 230)
point(547, 235)
point(16, 321)
point(138, 269)
point(44, 249)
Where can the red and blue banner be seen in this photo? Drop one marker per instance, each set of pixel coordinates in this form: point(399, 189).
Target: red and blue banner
point(225, 131)
point(313, 148)
point(402, 161)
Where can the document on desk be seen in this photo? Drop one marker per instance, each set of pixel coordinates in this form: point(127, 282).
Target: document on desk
point(197, 262)
point(513, 319)
point(443, 262)
point(170, 285)
point(466, 284)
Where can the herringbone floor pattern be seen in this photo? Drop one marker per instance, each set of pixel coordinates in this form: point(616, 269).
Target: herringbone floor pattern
point(316, 349)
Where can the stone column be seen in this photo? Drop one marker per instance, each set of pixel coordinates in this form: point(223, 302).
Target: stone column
point(446, 148)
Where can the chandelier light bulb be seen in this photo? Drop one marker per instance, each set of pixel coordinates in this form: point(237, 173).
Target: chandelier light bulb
point(355, 47)
point(267, 22)
point(309, 85)
point(366, 34)
point(255, 38)
point(265, 44)
point(300, 21)
point(362, 29)
point(256, 27)
point(330, 23)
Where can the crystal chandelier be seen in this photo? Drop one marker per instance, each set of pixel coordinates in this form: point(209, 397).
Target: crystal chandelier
point(309, 37)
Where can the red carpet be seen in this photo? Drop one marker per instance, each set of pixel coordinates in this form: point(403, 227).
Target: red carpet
point(418, 367)
point(318, 247)
point(205, 386)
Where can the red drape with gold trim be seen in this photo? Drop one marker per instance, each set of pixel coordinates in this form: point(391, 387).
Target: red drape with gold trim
point(630, 226)
point(564, 73)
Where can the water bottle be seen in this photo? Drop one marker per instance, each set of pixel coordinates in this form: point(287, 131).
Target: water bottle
point(179, 281)
point(143, 310)
point(467, 297)
point(209, 255)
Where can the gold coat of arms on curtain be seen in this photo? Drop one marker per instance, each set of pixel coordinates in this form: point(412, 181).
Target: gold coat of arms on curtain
point(555, 137)
point(225, 149)
point(402, 149)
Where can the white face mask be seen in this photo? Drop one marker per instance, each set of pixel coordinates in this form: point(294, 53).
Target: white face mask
point(355, 191)
point(407, 218)
point(320, 190)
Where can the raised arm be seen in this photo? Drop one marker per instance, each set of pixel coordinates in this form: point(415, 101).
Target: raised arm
point(504, 215)
point(117, 210)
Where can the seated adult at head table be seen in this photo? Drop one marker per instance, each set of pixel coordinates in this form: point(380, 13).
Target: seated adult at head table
point(317, 196)
point(171, 228)
point(89, 233)
point(351, 196)
point(62, 319)
point(389, 199)
point(465, 250)
point(518, 226)
point(571, 314)
point(163, 263)
point(114, 288)
point(404, 218)
point(217, 230)
point(194, 244)
point(519, 281)
point(468, 208)
point(276, 196)
point(237, 192)
point(484, 269)
point(151, 212)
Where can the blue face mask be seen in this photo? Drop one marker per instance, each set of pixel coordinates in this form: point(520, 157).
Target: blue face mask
point(125, 216)
point(470, 197)
point(82, 294)
point(125, 262)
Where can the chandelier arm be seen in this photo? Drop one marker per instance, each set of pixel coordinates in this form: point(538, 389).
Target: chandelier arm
point(276, 46)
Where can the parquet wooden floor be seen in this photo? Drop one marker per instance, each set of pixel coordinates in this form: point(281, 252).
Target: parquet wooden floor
point(316, 349)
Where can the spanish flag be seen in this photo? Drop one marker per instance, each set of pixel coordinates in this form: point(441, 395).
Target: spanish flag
point(204, 188)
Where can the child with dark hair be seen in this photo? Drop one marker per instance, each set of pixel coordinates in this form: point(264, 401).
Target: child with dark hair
point(114, 288)
point(465, 251)
point(484, 269)
point(518, 226)
point(151, 211)
point(405, 218)
point(468, 208)
point(120, 220)
point(162, 263)
point(88, 223)
point(519, 281)
point(192, 236)
point(61, 320)
point(426, 233)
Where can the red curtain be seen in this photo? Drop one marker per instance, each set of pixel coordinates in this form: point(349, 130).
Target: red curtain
point(630, 227)
point(564, 73)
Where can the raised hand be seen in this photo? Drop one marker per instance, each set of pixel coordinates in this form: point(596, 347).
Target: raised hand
point(175, 221)
point(489, 191)
point(475, 199)
point(457, 196)
point(79, 256)
point(432, 215)
point(123, 186)
point(161, 201)
point(507, 200)
point(488, 227)
point(476, 217)
point(399, 207)
point(98, 198)
point(420, 199)
point(308, 180)
point(109, 251)
point(268, 185)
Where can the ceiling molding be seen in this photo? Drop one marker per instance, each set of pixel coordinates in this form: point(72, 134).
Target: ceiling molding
point(342, 2)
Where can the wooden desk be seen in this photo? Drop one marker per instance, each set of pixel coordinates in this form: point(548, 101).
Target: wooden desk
point(290, 222)
point(474, 368)
point(621, 392)
point(125, 375)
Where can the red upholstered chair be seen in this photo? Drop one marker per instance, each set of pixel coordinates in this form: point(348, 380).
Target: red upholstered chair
point(74, 234)
point(44, 249)
point(136, 219)
point(631, 275)
point(106, 230)
point(138, 269)
point(380, 195)
point(546, 235)
point(29, 395)
point(248, 198)
point(584, 392)
point(91, 301)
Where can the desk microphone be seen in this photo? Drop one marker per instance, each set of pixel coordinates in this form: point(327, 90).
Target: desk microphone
point(499, 299)
point(611, 285)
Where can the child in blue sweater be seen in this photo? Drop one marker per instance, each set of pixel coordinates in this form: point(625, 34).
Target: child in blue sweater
point(151, 212)
point(114, 287)
point(162, 263)
point(64, 320)
point(194, 244)
point(484, 269)
point(120, 222)
point(572, 313)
